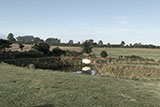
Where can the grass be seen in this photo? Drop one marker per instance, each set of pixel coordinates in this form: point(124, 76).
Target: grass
point(115, 52)
point(20, 87)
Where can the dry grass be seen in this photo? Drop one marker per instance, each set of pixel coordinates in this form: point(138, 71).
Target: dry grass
point(15, 47)
point(133, 72)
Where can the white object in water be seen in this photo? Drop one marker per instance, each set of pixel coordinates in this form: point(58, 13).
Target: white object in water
point(86, 61)
point(86, 68)
point(92, 72)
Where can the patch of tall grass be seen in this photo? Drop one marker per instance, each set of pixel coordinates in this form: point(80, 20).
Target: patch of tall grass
point(133, 72)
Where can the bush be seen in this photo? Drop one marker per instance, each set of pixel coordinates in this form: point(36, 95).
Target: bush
point(58, 52)
point(87, 46)
point(104, 54)
point(16, 54)
point(4, 45)
point(42, 47)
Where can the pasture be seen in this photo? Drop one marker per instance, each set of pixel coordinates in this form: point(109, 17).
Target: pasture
point(113, 52)
point(22, 87)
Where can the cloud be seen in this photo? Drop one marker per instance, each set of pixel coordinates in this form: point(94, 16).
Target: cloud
point(122, 20)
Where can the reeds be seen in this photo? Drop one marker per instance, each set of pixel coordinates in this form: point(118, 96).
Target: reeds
point(137, 72)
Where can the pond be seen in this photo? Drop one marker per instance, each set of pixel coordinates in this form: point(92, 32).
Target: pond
point(78, 69)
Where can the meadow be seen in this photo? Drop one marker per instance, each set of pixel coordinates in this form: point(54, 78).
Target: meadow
point(23, 87)
point(112, 52)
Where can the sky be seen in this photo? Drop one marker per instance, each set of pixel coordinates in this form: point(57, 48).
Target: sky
point(111, 21)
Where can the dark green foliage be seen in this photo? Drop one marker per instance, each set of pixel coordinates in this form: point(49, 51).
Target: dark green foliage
point(45, 62)
point(58, 52)
point(21, 46)
point(104, 54)
point(87, 46)
point(70, 42)
point(25, 39)
point(37, 40)
point(16, 54)
point(122, 43)
point(100, 43)
point(42, 47)
point(52, 41)
point(11, 37)
point(4, 44)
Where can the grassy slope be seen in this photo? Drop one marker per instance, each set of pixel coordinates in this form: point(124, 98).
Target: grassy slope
point(25, 87)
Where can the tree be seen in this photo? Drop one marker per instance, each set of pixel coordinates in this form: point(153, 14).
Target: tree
point(36, 40)
point(25, 39)
point(41, 47)
point(104, 54)
point(108, 44)
point(21, 46)
point(11, 38)
point(87, 46)
point(70, 42)
point(100, 43)
point(4, 44)
point(122, 43)
point(52, 41)
point(79, 43)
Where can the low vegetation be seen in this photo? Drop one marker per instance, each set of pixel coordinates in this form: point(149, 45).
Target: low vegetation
point(104, 54)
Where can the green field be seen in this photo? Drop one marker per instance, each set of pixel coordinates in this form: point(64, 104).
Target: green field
point(20, 87)
point(115, 52)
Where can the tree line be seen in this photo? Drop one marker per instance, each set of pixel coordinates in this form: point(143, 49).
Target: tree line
point(57, 42)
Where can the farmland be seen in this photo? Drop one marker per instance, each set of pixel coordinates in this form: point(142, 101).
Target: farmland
point(113, 52)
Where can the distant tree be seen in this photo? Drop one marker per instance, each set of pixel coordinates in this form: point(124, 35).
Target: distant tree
point(108, 44)
point(11, 38)
point(104, 54)
point(21, 46)
point(36, 40)
point(70, 42)
point(130, 45)
point(87, 46)
point(25, 39)
point(4, 44)
point(122, 43)
point(52, 41)
point(41, 47)
point(100, 43)
point(79, 43)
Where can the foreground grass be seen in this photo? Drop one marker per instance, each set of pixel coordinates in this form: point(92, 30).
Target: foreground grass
point(24, 87)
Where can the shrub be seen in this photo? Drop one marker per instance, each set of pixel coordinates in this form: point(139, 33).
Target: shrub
point(4, 45)
point(58, 52)
point(87, 46)
point(104, 54)
point(16, 54)
point(21, 46)
point(41, 47)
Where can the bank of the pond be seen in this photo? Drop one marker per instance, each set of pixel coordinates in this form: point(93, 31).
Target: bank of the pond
point(23, 87)
point(137, 68)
